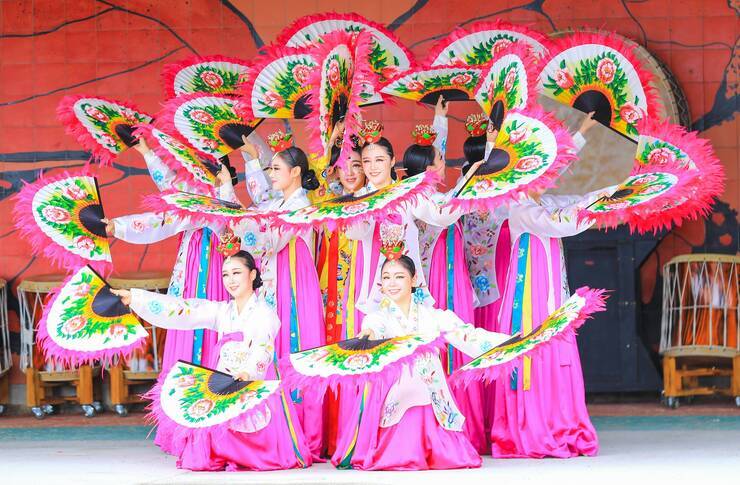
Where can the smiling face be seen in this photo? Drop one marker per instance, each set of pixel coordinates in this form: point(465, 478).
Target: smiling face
point(377, 164)
point(396, 282)
point(238, 278)
point(352, 177)
point(282, 174)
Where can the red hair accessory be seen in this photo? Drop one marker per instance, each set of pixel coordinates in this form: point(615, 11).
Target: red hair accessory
point(371, 131)
point(424, 135)
point(476, 124)
point(228, 244)
point(280, 141)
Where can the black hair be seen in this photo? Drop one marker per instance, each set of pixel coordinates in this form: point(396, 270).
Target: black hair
point(417, 158)
point(335, 151)
point(232, 171)
point(386, 145)
point(405, 261)
point(249, 262)
point(295, 157)
point(474, 149)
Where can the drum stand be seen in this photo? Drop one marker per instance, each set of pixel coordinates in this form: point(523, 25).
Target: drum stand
point(683, 381)
point(5, 360)
point(41, 383)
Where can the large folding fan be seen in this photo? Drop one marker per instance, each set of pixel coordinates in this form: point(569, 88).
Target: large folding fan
point(355, 361)
point(339, 86)
point(208, 122)
point(530, 151)
point(598, 72)
point(210, 74)
point(62, 218)
point(387, 55)
point(85, 322)
point(349, 209)
point(103, 126)
point(562, 323)
point(198, 397)
point(477, 44)
point(201, 208)
point(278, 85)
point(508, 81)
point(426, 85)
point(190, 166)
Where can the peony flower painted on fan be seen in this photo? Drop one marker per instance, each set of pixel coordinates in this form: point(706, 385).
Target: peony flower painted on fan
point(510, 79)
point(200, 408)
point(500, 45)
point(201, 116)
point(247, 396)
point(630, 113)
point(605, 70)
point(117, 330)
point(652, 189)
point(389, 72)
point(301, 73)
point(483, 186)
point(519, 134)
point(528, 163)
point(333, 73)
point(186, 381)
point(209, 143)
point(414, 86)
point(661, 156)
point(646, 179)
point(82, 290)
point(274, 100)
point(129, 116)
point(74, 192)
point(357, 361)
point(175, 143)
point(564, 79)
point(84, 243)
point(94, 112)
point(356, 208)
point(212, 79)
point(74, 324)
point(106, 139)
point(461, 79)
point(56, 214)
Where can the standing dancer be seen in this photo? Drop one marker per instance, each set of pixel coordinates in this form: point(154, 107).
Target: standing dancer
point(248, 327)
point(287, 263)
point(541, 410)
point(412, 424)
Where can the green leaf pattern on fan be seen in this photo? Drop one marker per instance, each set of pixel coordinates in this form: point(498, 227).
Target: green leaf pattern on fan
point(482, 52)
point(655, 152)
point(56, 209)
point(463, 78)
point(201, 203)
point(187, 157)
point(509, 88)
point(101, 117)
point(77, 320)
point(208, 78)
point(187, 399)
point(553, 325)
point(287, 88)
point(644, 186)
point(333, 360)
point(532, 150)
point(341, 210)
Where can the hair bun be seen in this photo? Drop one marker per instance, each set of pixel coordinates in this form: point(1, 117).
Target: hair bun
point(309, 181)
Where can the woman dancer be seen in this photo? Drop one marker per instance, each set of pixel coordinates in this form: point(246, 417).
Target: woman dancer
point(248, 327)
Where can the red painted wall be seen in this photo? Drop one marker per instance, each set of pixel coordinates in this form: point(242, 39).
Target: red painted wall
point(49, 48)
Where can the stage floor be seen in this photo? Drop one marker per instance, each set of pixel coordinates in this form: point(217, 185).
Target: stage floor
point(634, 449)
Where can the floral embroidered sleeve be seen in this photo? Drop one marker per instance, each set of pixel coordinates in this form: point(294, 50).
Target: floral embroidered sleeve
point(150, 227)
point(467, 338)
point(175, 313)
point(162, 175)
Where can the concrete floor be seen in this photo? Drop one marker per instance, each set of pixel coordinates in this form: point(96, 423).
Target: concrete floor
point(637, 449)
